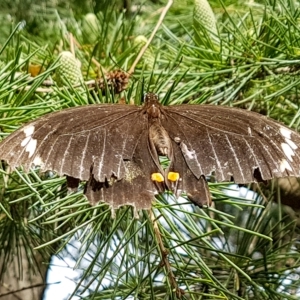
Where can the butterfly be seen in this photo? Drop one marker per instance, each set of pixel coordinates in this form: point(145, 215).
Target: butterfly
point(116, 149)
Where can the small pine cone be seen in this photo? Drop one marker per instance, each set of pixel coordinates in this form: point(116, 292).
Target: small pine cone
point(204, 17)
point(90, 28)
point(69, 69)
point(117, 82)
point(148, 57)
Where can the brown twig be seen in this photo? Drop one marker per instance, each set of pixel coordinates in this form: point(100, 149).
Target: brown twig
point(161, 18)
point(72, 42)
point(164, 257)
point(24, 289)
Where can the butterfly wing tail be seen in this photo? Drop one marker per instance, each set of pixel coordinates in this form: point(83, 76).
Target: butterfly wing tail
point(196, 189)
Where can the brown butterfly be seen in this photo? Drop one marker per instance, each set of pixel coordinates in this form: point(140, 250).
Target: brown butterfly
point(116, 149)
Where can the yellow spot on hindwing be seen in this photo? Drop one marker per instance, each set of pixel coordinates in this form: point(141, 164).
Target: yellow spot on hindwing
point(157, 177)
point(173, 176)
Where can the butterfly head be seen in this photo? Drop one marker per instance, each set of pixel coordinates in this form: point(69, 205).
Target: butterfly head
point(150, 98)
point(152, 105)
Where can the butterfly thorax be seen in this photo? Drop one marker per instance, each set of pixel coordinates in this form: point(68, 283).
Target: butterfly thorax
point(158, 136)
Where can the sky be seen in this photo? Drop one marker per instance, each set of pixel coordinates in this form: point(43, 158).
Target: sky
point(60, 280)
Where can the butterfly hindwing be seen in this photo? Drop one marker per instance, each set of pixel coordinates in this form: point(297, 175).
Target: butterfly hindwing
point(135, 188)
point(195, 189)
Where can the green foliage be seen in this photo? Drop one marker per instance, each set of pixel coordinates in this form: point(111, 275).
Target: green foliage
point(236, 249)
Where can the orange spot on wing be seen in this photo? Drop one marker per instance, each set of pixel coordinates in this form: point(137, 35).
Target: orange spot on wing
point(173, 176)
point(157, 177)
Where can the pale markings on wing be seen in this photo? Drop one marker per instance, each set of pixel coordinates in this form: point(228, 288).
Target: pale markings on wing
point(31, 146)
point(65, 155)
point(291, 144)
point(119, 166)
point(249, 131)
point(286, 133)
point(29, 143)
point(190, 155)
point(25, 141)
point(236, 158)
point(37, 161)
point(43, 141)
point(121, 162)
point(284, 165)
point(28, 130)
point(288, 151)
point(253, 154)
point(132, 171)
point(49, 148)
point(102, 155)
point(216, 156)
point(269, 154)
point(81, 168)
point(177, 139)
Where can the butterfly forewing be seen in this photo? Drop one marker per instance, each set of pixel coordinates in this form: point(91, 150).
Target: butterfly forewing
point(233, 143)
point(70, 141)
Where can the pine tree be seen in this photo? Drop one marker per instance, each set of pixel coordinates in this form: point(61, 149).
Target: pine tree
point(239, 248)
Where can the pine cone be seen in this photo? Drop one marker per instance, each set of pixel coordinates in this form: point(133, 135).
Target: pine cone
point(204, 18)
point(90, 29)
point(117, 82)
point(69, 69)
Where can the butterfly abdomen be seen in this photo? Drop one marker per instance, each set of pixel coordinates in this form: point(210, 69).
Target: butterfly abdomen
point(161, 140)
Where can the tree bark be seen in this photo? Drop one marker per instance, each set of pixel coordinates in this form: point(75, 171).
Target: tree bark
point(23, 278)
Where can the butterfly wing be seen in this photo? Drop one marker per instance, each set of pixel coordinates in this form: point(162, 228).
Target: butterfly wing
point(109, 146)
point(101, 144)
point(135, 188)
point(233, 143)
point(196, 189)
